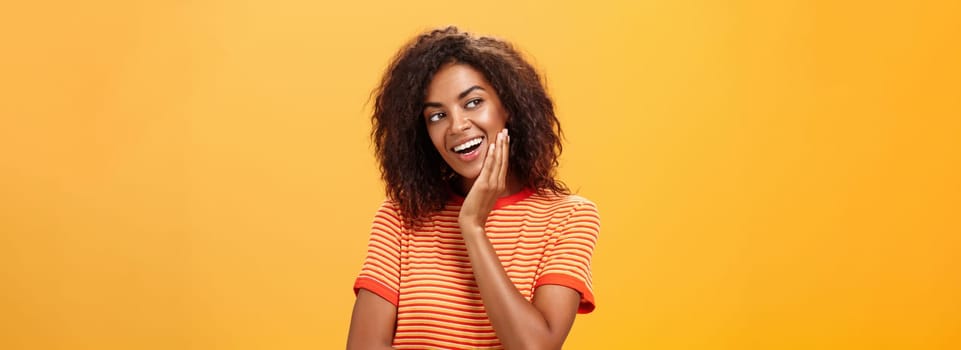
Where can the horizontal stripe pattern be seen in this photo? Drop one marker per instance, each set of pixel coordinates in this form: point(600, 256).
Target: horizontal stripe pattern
point(539, 238)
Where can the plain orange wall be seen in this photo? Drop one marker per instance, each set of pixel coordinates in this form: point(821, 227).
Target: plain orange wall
point(197, 174)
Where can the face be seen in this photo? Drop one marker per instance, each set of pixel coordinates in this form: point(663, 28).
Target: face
point(463, 115)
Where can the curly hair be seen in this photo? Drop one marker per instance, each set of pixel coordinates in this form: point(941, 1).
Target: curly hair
point(415, 175)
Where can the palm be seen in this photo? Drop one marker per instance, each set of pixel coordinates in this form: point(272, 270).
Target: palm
point(489, 185)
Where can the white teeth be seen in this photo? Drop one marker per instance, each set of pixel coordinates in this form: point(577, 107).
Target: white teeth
point(468, 144)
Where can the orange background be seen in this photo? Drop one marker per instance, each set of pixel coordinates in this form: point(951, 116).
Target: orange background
point(197, 174)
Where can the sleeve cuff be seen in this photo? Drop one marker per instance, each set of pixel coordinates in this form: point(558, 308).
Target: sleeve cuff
point(377, 288)
point(587, 297)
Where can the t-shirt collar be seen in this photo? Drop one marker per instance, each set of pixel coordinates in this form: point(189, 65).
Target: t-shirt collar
point(502, 201)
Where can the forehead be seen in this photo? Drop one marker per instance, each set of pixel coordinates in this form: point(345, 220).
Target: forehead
point(452, 79)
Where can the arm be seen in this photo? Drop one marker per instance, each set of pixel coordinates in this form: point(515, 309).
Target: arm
point(519, 324)
point(372, 322)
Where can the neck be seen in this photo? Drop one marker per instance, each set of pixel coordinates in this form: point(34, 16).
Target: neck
point(513, 186)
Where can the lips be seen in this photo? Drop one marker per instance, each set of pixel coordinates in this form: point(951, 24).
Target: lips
point(469, 149)
point(467, 146)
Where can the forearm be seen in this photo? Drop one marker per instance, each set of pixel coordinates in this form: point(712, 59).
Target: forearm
point(352, 346)
point(517, 322)
point(372, 322)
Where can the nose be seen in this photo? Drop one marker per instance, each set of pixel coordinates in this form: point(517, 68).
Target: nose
point(459, 122)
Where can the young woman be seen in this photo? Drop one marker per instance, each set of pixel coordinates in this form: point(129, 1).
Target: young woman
point(477, 245)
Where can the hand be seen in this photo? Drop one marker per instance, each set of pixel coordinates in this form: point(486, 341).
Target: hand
point(490, 184)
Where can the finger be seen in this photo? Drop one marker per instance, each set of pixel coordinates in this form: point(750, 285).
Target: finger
point(488, 164)
point(505, 157)
point(499, 161)
point(501, 157)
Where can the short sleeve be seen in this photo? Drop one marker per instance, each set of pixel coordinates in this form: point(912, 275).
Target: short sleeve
point(380, 273)
point(567, 261)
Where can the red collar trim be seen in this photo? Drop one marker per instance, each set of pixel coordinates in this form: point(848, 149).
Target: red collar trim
point(502, 201)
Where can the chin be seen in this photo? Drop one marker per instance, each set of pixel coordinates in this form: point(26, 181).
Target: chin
point(468, 174)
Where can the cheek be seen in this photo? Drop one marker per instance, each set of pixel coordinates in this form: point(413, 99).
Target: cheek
point(436, 138)
point(498, 117)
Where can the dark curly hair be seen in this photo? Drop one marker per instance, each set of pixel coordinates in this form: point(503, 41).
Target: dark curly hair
point(415, 175)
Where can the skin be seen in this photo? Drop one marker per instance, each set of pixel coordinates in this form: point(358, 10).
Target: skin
point(462, 105)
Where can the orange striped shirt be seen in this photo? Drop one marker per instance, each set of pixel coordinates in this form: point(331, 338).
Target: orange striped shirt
point(539, 238)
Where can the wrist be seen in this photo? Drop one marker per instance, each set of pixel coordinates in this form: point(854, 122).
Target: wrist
point(471, 229)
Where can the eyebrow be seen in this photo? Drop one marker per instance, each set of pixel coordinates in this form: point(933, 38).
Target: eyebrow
point(459, 96)
point(472, 88)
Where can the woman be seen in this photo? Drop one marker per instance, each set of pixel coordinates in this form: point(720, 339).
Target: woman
point(478, 245)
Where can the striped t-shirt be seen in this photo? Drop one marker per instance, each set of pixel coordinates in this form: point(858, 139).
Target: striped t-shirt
point(539, 238)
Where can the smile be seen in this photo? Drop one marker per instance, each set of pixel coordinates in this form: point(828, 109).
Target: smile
point(468, 146)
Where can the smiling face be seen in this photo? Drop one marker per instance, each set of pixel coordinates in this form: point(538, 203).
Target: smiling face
point(463, 115)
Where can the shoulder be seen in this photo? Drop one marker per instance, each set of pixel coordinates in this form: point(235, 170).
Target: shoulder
point(389, 214)
point(580, 203)
point(389, 205)
point(570, 203)
point(576, 213)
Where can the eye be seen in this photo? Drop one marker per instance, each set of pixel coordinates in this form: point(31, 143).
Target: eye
point(473, 103)
point(436, 117)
